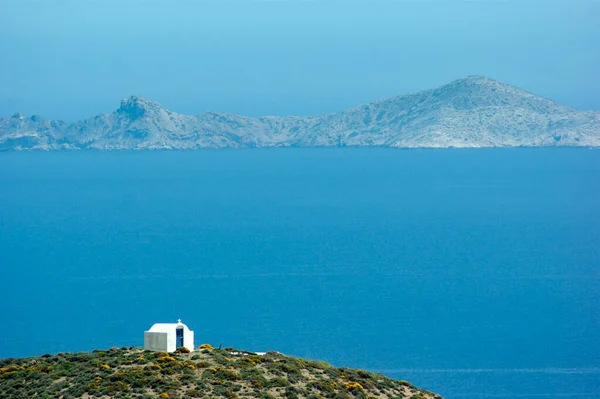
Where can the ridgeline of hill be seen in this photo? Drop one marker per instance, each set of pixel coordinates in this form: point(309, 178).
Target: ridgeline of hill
point(205, 373)
point(470, 112)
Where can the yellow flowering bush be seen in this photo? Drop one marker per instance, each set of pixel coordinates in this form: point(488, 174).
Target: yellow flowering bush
point(207, 347)
point(156, 366)
point(354, 386)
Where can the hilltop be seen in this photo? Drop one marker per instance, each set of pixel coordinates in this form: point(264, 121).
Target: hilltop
point(470, 112)
point(205, 373)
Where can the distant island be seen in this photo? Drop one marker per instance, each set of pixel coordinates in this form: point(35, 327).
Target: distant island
point(472, 112)
point(205, 373)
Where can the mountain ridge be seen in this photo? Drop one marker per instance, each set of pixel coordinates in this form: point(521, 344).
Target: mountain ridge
point(474, 111)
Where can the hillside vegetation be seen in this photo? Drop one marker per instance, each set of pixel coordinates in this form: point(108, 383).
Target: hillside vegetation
point(205, 373)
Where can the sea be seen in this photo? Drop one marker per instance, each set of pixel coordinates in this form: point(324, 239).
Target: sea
point(473, 273)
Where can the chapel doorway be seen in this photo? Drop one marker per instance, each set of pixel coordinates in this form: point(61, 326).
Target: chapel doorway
point(179, 337)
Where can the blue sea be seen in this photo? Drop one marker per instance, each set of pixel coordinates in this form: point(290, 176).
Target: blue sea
point(471, 273)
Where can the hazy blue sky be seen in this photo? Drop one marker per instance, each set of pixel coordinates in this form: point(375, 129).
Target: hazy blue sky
point(72, 59)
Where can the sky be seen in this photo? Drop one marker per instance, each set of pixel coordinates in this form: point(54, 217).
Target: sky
point(72, 59)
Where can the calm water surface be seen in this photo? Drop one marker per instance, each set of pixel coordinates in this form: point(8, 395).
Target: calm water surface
point(473, 273)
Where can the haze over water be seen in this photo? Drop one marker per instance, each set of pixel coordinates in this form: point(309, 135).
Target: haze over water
point(471, 273)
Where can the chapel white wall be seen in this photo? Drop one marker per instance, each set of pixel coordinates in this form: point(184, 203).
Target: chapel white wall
point(156, 341)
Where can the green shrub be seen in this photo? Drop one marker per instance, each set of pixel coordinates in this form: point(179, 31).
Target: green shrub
point(291, 393)
point(363, 374)
point(224, 391)
point(195, 393)
point(258, 382)
point(322, 386)
point(278, 382)
point(317, 364)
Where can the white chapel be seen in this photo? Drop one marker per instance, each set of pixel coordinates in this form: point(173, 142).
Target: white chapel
point(167, 337)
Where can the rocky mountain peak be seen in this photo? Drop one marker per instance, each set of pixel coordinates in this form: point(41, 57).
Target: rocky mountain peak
point(136, 107)
point(473, 82)
point(476, 79)
point(473, 92)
